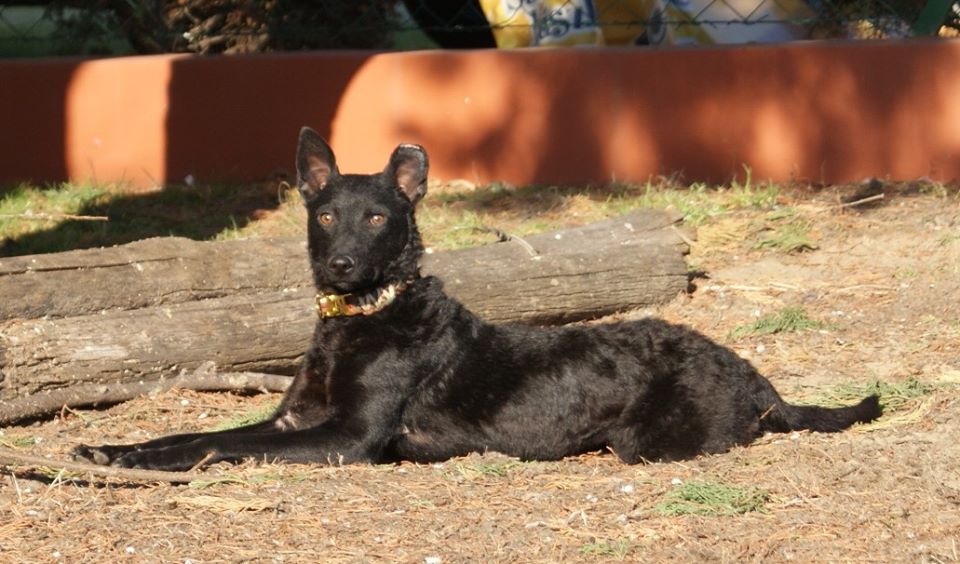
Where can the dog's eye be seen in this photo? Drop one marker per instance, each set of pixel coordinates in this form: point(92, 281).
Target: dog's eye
point(325, 218)
point(377, 219)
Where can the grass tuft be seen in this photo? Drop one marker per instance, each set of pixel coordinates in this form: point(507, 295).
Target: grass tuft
point(712, 499)
point(204, 484)
point(904, 403)
point(496, 469)
point(257, 415)
point(786, 232)
point(787, 320)
point(613, 549)
point(894, 396)
point(18, 442)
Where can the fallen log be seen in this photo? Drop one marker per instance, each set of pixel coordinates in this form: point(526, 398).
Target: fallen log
point(259, 319)
point(203, 379)
point(170, 270)
point(151, 272)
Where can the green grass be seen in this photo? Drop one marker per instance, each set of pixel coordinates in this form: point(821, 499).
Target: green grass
point(497, 469)
point(22, 207)
point(949, 238)
point(936, 189)
point(257, 415)
point(67, 216)
point(785, 231)
point(711, 499)
point(450, 220)
point(787, 320)
point(699, 203)
point(18, 442)
point(421, 503)
point(33, 219)
point(618, 549)
point(905, 273)
point(207, 483)
point(894, 396)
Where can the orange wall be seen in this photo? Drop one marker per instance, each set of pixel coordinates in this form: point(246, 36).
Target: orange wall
point(815, 111)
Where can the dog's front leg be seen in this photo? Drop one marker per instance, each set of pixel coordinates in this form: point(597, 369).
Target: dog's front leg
point(303, 406)
point(107, 454)
point(359, 436)
point(326, 444)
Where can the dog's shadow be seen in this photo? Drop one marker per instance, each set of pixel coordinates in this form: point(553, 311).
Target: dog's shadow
point(196, 212)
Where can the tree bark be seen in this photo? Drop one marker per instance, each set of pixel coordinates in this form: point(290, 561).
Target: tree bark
point(152, 272)
point(204, 378)
point(162, 306)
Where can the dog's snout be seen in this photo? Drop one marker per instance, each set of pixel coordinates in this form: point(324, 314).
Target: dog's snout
point(341, 264)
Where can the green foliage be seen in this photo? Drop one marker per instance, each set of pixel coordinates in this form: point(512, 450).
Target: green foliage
point(121, 27)
point(712, 499)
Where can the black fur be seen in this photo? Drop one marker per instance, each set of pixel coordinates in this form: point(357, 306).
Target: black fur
point(424, 379)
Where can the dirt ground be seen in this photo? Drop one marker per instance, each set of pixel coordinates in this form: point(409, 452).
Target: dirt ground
point(885, 280)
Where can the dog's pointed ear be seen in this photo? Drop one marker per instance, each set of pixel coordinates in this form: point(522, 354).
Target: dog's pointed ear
point(316, 165)
point(408, 168)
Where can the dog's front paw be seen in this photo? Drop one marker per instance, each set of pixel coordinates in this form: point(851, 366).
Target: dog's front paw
point(169, 459)
point(103, 455)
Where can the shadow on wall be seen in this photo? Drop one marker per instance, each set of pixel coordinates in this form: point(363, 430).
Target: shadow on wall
point(230, 131)
point(235, 117)
point(807, 112)
point(36, 140)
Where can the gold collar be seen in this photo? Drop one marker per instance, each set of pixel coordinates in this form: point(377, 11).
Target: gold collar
point(341, 305)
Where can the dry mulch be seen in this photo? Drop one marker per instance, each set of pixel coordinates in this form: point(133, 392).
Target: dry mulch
point(885, 280)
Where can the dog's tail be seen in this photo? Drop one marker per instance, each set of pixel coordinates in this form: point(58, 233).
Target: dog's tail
point(779, 416)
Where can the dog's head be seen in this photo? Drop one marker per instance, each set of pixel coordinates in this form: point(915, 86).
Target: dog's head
point(361, 228)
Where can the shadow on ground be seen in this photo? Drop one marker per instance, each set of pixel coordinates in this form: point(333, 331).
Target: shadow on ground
point(195, 212)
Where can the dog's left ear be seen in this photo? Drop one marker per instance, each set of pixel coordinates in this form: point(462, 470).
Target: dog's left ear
point(408, 168)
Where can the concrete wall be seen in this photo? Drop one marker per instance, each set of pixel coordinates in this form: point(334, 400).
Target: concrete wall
point(814, 111)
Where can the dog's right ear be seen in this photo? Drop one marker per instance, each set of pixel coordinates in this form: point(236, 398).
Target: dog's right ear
point(316, 165)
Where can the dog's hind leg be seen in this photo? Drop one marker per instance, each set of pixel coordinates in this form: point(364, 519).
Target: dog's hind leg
point(663, 423)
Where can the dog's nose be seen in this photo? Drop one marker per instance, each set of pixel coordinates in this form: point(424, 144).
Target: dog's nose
point(340, 264)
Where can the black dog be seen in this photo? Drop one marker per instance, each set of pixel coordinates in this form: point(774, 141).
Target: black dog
point(399, 371)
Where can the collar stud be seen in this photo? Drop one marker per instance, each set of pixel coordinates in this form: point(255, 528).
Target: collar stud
point(345, 305)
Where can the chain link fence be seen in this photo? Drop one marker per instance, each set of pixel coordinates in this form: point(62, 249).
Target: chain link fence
point(117, 27)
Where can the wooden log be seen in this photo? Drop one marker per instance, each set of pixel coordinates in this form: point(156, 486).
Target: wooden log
point(633, 261)
point(151, 272)
point(170, 270)
point(204, 378)
point(580, 273)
